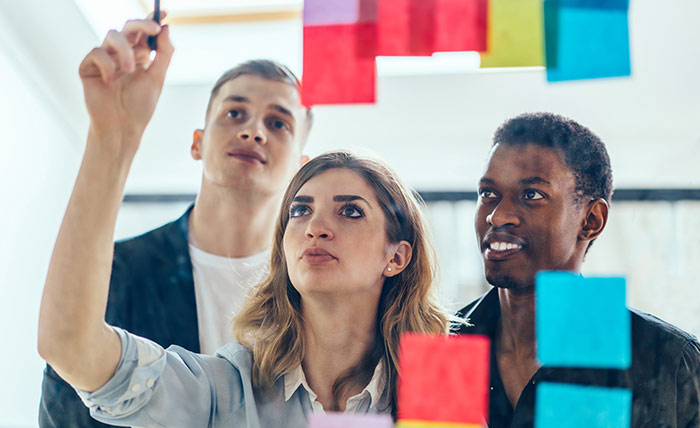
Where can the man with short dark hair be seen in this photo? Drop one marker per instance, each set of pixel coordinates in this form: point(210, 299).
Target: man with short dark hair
point(181, 283)
point(543, 200)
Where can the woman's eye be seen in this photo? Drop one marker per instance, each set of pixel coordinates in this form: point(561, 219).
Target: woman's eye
point(351, 211)
point(233, 114)
point(532, 195)
point(298, 211)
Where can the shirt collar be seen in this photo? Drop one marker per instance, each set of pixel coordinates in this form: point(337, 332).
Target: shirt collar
point(375, 388)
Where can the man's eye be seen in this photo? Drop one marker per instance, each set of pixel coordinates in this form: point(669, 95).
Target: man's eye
point(351, 211)
point(486, 194)
point(532, 195)
point(298, 211)
point(233, 114)
point(278, 124)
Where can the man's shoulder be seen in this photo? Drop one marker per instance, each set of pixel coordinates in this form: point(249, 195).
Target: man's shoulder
point(161, 241)
point(650, 328)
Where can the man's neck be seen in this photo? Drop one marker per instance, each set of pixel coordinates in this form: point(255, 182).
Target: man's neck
point(232, 223)
point(516, 329)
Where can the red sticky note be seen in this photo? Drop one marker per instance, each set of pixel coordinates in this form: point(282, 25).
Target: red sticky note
point(444, 379)
point(339, 64)
point(422, 27)
point(460, 25)
point(393, 27)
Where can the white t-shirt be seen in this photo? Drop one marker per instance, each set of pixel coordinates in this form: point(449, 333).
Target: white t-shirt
point(220, 287)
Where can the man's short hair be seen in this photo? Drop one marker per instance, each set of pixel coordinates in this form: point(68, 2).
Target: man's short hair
point(584, 152)
point(267, 69)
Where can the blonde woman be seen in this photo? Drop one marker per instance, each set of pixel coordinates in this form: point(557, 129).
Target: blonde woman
point(351, 270)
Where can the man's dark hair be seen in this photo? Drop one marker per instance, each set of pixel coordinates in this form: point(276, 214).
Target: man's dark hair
point(584, 152)
point(270, 70)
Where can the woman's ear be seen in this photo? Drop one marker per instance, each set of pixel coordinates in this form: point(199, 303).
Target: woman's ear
point(595, 220)
point(400, 259)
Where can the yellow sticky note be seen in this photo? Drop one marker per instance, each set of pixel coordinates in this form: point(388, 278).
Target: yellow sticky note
point(515, 34)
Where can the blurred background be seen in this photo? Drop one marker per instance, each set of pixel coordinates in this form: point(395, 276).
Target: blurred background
point(432, 122)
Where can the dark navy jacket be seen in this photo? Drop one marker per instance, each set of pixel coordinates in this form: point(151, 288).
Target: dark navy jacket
point(151, 294)
point(664, 376)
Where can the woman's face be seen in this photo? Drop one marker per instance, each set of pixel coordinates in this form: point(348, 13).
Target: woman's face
point(335, 241)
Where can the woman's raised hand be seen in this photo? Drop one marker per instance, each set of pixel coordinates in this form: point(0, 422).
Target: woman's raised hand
point(121, 83)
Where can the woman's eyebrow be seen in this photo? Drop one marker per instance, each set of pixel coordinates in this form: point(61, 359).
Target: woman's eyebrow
point(305, 199)
point(349, 198)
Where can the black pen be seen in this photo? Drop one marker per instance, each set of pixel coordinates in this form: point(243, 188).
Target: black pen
point(153, 40)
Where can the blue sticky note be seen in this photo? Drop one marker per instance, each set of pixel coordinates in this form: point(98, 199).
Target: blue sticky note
point(595, 4)
point(560, 405)
point(582, 322)
point(586, 42)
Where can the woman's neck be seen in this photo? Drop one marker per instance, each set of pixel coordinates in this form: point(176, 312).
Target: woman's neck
point(338, 334)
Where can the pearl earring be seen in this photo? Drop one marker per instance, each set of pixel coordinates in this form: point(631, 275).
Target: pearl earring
point(388, 269)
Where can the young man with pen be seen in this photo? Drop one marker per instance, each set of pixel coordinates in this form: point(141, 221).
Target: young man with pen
point(181, 283)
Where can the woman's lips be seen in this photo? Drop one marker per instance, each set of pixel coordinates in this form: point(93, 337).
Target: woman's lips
point(317, 255)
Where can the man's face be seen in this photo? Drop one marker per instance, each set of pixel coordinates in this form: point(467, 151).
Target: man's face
point(527, 217)
point(253, 136)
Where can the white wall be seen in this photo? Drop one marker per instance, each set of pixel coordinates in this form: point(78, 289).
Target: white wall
point(37, 168)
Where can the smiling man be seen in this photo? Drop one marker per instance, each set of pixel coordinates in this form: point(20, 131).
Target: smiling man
point(543, 200)
point(181, 283)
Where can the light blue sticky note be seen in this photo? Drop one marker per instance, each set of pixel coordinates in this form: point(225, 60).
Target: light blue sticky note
point(560, 405)
point(582, 322)
point(349, 420)
point(586, 42)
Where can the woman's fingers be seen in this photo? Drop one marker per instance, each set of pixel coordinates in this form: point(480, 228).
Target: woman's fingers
point(98, 63)
point(119, 47)
point(163, 54)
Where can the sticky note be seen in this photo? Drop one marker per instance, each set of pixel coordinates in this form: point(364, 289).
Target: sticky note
point(393, 27)
point(581, 322)
point(515, 34)
point(561, 405)
point(423, 27)
point(334, 12)
point(428, 424)
point(460, 25)
point(585, 42)
point(349, 420)
point(339, 64)
point(593, 4)
point(443, 379)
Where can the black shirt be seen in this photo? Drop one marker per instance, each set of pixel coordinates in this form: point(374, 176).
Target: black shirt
point(664, 376)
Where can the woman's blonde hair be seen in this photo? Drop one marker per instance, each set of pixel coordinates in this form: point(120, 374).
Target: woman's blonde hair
point(271, 325)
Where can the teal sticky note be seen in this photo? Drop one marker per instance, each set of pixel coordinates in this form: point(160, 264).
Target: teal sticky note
point(582, 322)
point(586, 42)
point(560, 405)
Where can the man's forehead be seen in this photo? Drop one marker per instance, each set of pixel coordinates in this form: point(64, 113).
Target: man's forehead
point(260, 91)
point(523, 161)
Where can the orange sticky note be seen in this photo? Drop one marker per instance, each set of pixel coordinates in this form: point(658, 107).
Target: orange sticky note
point(444, 379)
point(339, 65)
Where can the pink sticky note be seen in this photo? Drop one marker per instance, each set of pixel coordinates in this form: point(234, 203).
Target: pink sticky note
point(349, 420)
point(336, 12)
point(444, 379)
point(339, 64)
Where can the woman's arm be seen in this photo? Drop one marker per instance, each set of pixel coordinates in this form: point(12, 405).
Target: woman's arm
point(121, 89)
